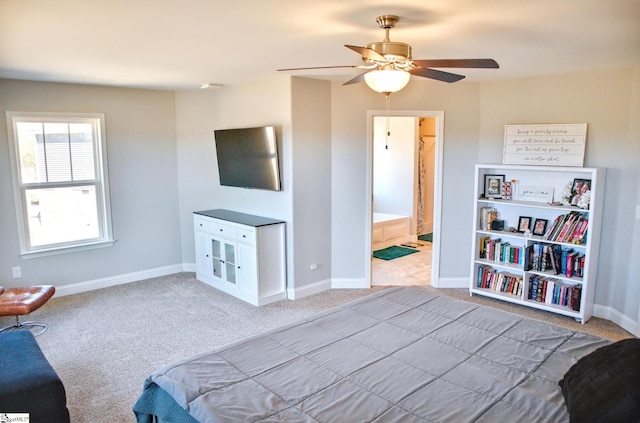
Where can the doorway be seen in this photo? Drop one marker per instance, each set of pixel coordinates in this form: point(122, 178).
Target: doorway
point(404, 171)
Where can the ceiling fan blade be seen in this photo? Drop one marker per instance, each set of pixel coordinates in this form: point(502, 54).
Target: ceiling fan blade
point(458, 63)
point(319, 67)
point(436, 74)
point(355, 80)
point(367, 53)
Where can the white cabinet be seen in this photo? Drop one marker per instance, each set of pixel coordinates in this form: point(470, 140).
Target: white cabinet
point(552, 268)
point(242, 255)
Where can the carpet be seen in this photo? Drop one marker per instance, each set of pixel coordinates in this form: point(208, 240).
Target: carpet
point(102, 358)
point(393, 252)
point(426, 237)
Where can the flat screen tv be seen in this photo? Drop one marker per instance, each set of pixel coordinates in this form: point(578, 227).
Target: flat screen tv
point(248, 158)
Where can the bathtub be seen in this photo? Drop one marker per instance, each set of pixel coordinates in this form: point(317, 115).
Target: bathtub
point(389, 229)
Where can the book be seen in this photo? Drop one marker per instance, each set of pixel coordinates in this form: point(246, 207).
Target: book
point(580, 231)
point(565, 227)
point(487, 215)
point(482, 252)
point(548, 291)
point(576, 296)
point(563, 259)
point(556, 253)
point(551, 227)
point(570, 266)
point(532, 287)
point(528, 257)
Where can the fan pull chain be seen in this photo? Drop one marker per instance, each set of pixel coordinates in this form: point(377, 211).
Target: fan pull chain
point(388, 104)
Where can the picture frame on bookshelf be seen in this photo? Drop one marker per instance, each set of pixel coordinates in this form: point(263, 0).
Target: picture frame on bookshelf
point(524, 224)
point(580, 192)
point(493, 186)
point(506, 190)
point(540, 227)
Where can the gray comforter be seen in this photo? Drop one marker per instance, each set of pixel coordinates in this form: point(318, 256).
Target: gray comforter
point(399, 355)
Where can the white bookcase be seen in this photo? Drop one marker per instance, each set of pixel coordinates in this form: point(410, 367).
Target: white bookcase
point(519, 267)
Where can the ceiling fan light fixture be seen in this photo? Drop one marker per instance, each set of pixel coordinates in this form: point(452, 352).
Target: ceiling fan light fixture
point(387, 80)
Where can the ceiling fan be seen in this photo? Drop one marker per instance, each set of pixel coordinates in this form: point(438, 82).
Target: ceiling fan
point(389, 64)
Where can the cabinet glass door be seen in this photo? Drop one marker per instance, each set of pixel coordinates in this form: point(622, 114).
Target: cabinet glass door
point(230, 262)
point(216, 257)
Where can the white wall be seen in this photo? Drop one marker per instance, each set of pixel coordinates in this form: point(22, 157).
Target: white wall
point(394, 167)
point(140, 139)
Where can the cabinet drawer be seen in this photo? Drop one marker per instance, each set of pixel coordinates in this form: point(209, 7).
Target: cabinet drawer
point(247, 236)
point(222, 230)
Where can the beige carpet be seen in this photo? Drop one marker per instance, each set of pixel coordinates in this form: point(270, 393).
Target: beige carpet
point(104, 343)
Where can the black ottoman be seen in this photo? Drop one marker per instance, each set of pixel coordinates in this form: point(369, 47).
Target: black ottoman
point(28, 383)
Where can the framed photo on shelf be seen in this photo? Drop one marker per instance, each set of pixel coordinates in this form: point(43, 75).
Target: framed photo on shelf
point(506, 190)
point(524, 224)
point(578, 189)
point(493, 186)
point(540, 226)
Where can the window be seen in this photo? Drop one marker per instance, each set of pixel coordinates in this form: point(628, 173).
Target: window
point(60, 181)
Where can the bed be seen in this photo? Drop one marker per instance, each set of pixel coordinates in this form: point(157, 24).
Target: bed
point(398, 355)
point(389, 229)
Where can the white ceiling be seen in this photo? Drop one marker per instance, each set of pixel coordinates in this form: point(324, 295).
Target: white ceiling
point(180, 44)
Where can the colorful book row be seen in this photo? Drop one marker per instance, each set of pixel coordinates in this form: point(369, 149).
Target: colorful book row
point(490, 278)
point(552, 257)
point(499, 251)
point(569, 228)
point(552, 291)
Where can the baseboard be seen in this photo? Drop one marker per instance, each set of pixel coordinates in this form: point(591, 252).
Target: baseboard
point(76, 288)
point(349, 284)
point(451, 283)
point(613, 315)
point(305, 291)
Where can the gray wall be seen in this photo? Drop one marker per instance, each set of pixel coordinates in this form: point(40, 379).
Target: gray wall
point(141, 152)
point(304, 202)
point(162, 168)
point(608, 103)
point(475, 115)
point(311, 182)
point(460, 103)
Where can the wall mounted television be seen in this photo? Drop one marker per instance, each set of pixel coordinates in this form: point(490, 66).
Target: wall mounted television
point(248, 158)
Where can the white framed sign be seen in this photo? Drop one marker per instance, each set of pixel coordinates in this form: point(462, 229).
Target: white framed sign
point(545, 144)
point(536, 194)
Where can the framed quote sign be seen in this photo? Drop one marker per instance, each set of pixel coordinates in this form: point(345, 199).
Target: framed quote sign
point(545, 144)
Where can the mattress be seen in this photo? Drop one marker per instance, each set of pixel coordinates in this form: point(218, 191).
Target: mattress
point(398, 355)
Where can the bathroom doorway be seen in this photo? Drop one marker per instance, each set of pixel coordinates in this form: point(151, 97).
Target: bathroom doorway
point(405, 177)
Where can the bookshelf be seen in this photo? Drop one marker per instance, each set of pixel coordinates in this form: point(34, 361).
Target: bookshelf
point(553, 267)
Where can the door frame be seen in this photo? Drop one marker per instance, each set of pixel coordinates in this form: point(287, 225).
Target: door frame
point(437, 186)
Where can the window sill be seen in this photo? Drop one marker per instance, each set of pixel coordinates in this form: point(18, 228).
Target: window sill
point(64, 250)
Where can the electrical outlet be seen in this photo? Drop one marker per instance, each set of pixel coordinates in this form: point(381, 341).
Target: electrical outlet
point(17, 272)
point(638, 212)
point(313, 267)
